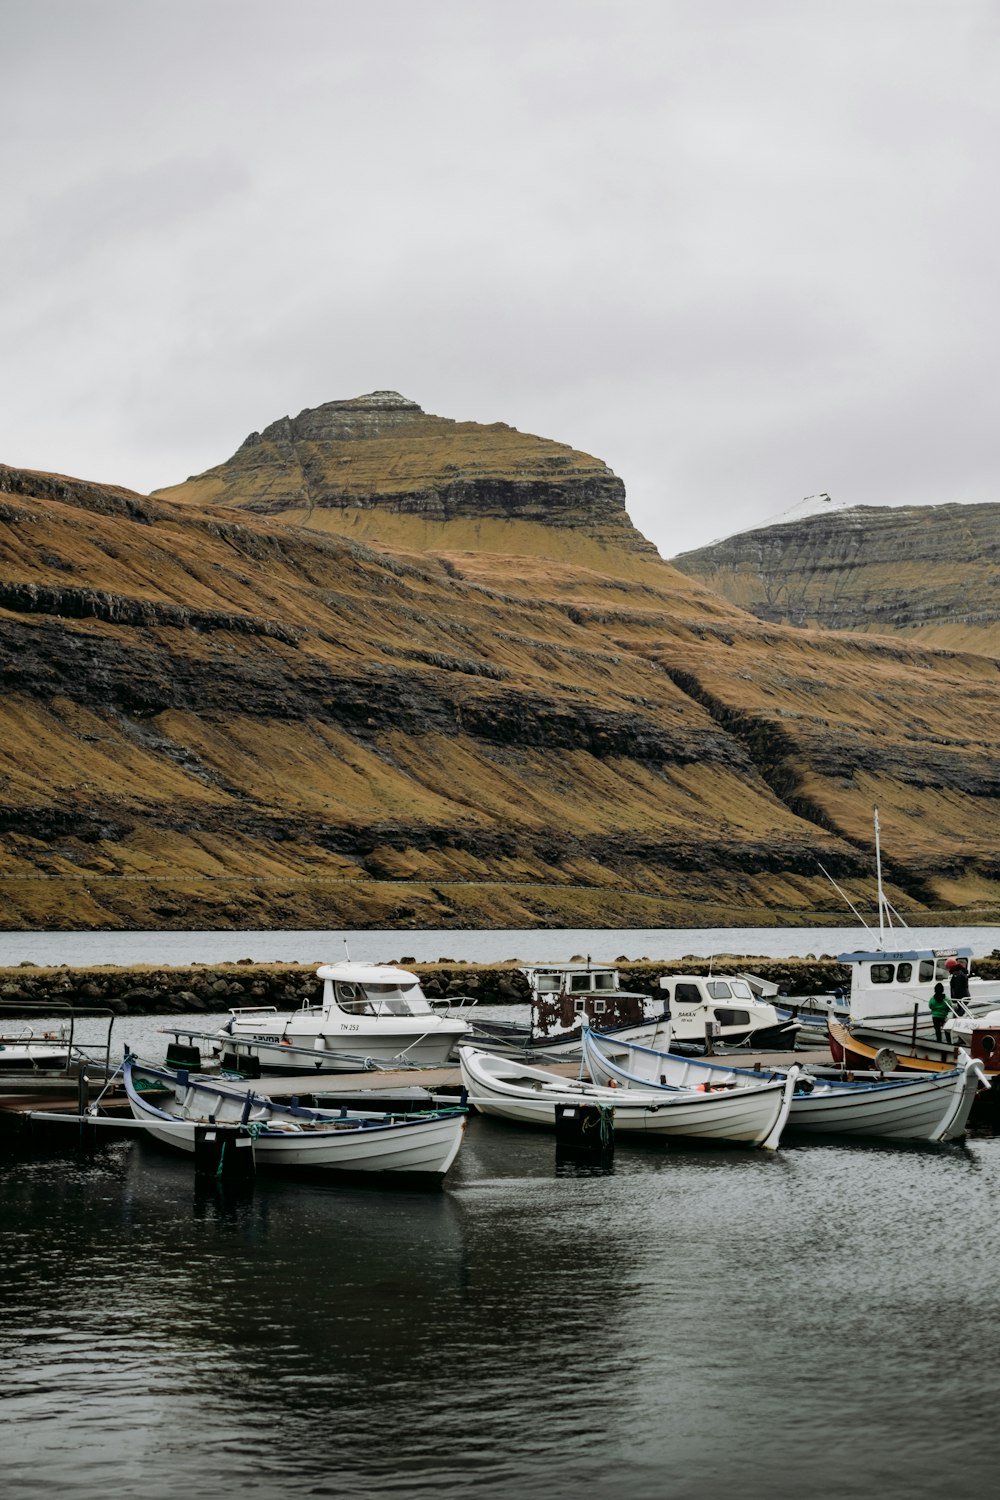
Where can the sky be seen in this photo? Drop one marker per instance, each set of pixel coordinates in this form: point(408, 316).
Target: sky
point(744, 251)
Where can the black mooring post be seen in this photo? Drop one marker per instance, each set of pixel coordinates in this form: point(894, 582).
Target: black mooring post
point(225, 1152)
point(81, 1095)
point(585, 1127)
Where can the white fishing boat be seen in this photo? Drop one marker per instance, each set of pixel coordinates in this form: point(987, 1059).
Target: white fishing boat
point(891, 986)
point(723, 1009)
point(175, 1107)
point(924, 1107)
point(891, 989)
point(562, 996)
point(366, 1014)
point(512, 1090)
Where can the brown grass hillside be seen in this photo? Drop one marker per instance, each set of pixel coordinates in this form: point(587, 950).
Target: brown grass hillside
point(929, 573)
point(214, 717)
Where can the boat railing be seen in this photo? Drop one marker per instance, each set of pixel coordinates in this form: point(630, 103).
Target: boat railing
point(66, 1015)
point(447, 1004)
point(29, 1034)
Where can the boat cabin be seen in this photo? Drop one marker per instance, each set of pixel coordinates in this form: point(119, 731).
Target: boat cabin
point(888, 988)
point(562, 993)
point(727, 1001)
point(372, 990)
point(723, 1007)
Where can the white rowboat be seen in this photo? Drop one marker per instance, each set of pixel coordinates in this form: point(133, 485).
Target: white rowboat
point(510, 1090)
point(924, 1107)
point(174, 1105)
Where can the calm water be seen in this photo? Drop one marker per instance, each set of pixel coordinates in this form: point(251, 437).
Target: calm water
point(817, 1322)
point(544, 945)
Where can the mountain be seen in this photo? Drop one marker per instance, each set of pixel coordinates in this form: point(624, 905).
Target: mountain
point(222, 708)
point(378, 466)
point(927, 572)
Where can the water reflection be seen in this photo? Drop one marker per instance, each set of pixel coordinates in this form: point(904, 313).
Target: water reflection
point(683, 1322)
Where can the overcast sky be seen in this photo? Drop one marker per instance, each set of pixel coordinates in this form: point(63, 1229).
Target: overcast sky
point(742, 250)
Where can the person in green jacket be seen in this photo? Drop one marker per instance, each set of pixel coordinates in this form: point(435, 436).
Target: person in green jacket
point(940, 1010)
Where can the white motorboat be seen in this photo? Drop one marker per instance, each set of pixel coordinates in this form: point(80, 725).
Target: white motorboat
point(42, 1055)
point(723, 1008)
point(921, 1107)
point(562, 997)
point(891, 989)
point(511, 1090)
point(25, 1050)
point(175, 1106)
point(366, 1014)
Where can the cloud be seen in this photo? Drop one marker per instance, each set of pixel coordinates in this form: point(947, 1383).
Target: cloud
point(741, 253)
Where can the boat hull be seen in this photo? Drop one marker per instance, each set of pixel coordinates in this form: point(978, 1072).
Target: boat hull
point(504, 1040)
point(935, 1107)
point(332, 1052)
point(289, 1138)
point(529, 1096)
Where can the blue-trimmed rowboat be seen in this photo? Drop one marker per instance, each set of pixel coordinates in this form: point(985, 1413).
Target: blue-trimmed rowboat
point(929, 1107)
point(751, 1115)
point(173, 1105)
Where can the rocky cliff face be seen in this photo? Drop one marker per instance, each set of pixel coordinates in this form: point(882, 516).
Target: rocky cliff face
point(382, 452)
point(924, 571)
point(211, 717)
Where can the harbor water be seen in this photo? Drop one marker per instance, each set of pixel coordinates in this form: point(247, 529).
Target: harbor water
point(466, 945)
point(678, 1323)
point(687, 1323)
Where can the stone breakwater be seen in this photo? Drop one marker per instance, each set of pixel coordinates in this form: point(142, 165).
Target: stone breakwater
point(211, 988)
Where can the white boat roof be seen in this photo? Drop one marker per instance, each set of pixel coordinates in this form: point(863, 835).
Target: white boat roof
point(904, 955)
point(354, 973)
point(703, 978)
point(578, 968)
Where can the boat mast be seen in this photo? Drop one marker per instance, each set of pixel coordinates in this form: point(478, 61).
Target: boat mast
point(882, 903)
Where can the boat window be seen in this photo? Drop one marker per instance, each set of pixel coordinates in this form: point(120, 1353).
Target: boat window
point(579, 1007)
point(600, 1006)
point(546, 984)
point(882, 973)
point(351, 997)
point(719, 989)
point(741, 990)
point(727, 1017)
point(926, 970)
point(904, 973)
point(398, 999)
point(604, 981)
point(688, 994)
point(579, 982)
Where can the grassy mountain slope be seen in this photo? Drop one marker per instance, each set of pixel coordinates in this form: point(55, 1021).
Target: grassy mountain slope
point(927, 572)
point(213, 716)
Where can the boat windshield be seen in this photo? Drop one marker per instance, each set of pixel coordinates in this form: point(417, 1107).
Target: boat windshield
point(398, 999)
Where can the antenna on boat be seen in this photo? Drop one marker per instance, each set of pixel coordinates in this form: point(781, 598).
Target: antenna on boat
point(347, 951)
